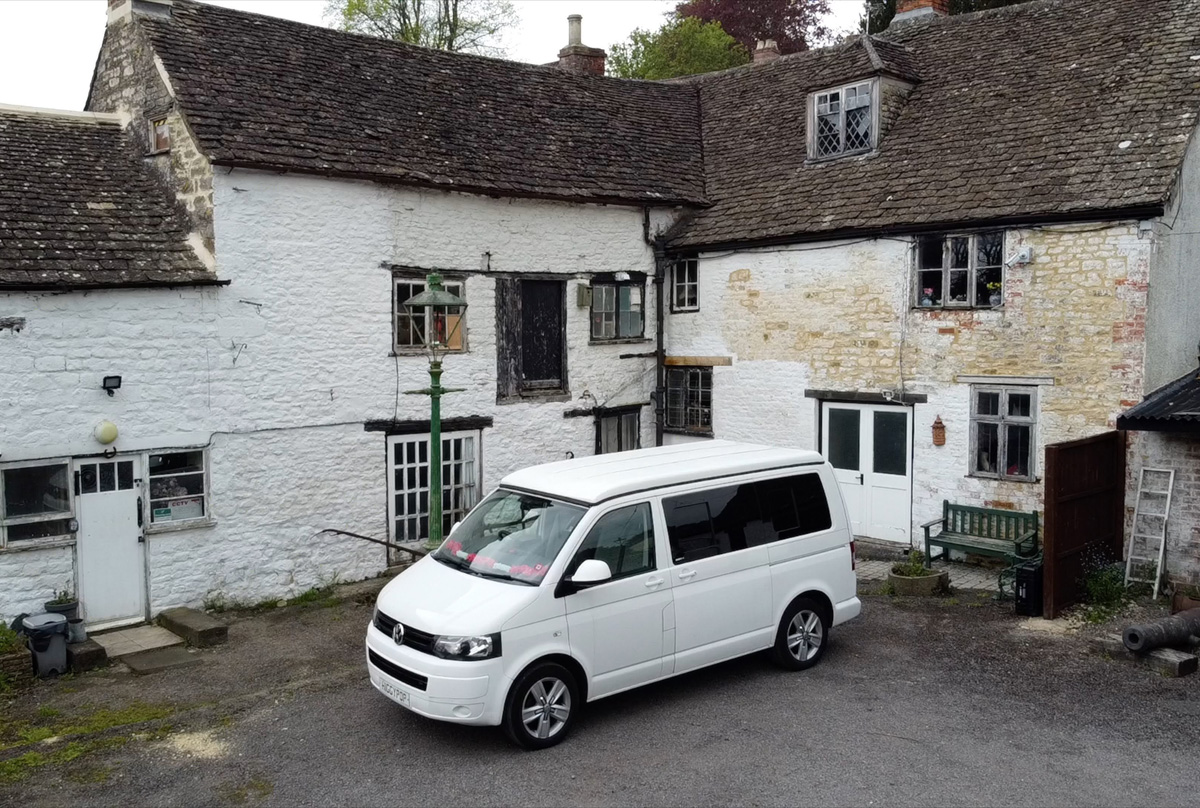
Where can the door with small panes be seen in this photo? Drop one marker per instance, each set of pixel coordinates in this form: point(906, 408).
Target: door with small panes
point(109, 549)
point(408, 483)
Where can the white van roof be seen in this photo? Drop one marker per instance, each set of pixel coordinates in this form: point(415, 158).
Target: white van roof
point(594, 479)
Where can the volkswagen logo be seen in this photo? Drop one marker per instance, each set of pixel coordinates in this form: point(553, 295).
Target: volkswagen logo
point(398, 634)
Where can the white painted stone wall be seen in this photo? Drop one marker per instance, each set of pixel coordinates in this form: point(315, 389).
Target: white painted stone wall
point(277, 372)
point(838, 316)
point(29, 579)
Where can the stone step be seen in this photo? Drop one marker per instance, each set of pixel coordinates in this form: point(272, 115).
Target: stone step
point(198, 629)
point(161, 659)
point(86, 656)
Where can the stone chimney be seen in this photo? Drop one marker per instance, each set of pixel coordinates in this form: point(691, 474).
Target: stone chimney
point(916, 9)
point(766, 51)
point(577, 57)
point(119, 9)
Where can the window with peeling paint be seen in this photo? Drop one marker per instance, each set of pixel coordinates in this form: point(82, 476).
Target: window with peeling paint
point(689, 399)
point(531, 348)
point(411, 326)
point(618, 431)
point(842, 121)
point(960, 270)
point(1003, 424)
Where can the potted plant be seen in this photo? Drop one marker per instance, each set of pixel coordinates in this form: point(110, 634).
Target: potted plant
point(1184, 598)
point(927, 297)
point(912, 577)
point(64, 603)
point(996, 296)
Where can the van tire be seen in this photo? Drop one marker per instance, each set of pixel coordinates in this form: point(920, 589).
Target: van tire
point(554, 687)
point(802, 636)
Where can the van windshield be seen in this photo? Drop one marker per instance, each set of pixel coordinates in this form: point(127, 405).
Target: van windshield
point(510, 536)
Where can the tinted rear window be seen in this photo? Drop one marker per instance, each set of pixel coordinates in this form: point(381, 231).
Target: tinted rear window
point(730, 518)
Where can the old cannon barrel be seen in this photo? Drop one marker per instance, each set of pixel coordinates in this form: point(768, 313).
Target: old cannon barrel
point(1171, 630)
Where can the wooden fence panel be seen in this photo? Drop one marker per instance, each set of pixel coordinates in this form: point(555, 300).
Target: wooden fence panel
point(1085, 510)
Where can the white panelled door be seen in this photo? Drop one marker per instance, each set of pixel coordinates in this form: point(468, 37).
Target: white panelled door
point(109, 548)
point(870, 449)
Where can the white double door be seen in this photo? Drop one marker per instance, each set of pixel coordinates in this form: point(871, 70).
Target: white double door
point(109, 550)
point(870, 449)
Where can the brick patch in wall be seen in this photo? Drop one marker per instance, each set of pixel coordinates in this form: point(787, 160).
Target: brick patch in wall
point(16, 669)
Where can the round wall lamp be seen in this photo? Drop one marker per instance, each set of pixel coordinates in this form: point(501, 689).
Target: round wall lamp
point(105, 432)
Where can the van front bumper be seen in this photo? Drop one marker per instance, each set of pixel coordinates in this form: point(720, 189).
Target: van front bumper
point(455, 690)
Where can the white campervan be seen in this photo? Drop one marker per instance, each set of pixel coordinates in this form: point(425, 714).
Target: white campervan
point(576, 580)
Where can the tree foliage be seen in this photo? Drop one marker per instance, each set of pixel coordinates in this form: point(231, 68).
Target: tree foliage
point(877, 14)
point(472, 26)
point(795, 25)
point(683, 46)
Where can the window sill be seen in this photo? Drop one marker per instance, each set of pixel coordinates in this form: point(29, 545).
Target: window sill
point(38, 544)
point(829, 158)
point(411, 352)
point(693, 310)
point(536, 396)
point(695, 433)
point(998, 479)
point(620, 341)
point(958, 308)
point(175, 527)
point(158, 152)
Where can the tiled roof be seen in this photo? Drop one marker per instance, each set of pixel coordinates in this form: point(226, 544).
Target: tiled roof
point(264, 92)
point(1049, 109)
point(78, 208)
point(1172, 408)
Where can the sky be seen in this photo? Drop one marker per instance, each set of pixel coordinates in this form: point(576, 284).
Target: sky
point(48, 47)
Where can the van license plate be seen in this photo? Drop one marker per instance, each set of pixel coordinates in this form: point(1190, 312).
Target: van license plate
point(393, 692)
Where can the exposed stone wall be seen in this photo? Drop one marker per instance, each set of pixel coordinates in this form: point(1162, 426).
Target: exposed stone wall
point(278, 373)
point(892, 95)
point(1181, 453)
point(839, 316)
point(127, 79)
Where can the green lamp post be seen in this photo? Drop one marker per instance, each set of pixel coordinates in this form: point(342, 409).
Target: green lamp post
point(441, 312)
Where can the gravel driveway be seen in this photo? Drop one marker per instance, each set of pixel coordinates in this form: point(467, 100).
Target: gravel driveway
point(945, 702)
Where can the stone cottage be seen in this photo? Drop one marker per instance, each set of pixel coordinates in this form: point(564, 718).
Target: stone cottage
point(964, 220)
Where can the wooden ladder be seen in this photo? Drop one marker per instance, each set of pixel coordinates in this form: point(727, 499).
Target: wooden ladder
point(1150, 524)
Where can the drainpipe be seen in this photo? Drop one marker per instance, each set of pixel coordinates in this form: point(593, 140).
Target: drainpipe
point(660, 351)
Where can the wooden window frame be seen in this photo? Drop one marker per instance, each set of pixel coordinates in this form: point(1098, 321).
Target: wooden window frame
point(620, 413)
point(158, 146)
point(689, 266)
point(153, 526)
point(6, 521)
point(616, 286)
point(971, 269)
point(690, 372)
point(455, 284)
point(814, 103)
point(472, 490)
point(511, 386)
point(1003, 420)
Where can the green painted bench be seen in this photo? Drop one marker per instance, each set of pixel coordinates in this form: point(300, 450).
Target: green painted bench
point(1011, 535)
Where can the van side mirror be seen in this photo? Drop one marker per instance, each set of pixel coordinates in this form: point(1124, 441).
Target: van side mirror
point(590, 572)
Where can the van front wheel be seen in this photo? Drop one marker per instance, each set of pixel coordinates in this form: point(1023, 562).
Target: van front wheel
point(541, 706)
point(802, 636)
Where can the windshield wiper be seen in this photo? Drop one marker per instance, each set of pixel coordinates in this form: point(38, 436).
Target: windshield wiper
point(499, 576)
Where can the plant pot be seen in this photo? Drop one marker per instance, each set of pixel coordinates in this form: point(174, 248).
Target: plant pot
point(76, 632)
point(67, 610)
point(1181, 603)
point(923, 586)
point(995, 300)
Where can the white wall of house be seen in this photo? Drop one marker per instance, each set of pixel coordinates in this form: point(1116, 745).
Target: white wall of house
point(276, 373)
point(839, 316)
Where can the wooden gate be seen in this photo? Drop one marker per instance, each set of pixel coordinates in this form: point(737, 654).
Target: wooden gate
point(1085, 510)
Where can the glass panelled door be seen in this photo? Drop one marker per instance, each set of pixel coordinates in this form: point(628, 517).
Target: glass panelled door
point(109, 549)
point(408, 483)
point(870, 449)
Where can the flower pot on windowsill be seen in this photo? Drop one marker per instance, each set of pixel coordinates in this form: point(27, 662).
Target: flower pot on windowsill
point(936, 582)
point(995, 299)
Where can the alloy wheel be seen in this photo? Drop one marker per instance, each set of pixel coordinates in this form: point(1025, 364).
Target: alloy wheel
point(804, 635)
point(546, 707)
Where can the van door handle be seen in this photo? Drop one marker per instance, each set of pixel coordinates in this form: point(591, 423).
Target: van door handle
point(687, 575)
point(652, 582)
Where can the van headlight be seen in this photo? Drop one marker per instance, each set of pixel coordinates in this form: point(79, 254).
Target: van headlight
point(485, 646)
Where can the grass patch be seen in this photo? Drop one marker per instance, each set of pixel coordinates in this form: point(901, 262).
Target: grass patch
point(321, 596)
point(46, 711)
point(255, 790)
point(10, 641)
point(16, 734)
point(16, 769)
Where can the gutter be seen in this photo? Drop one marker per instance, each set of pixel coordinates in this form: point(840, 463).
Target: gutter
point(1075, 217)
point(660, 350)
point(100, 287)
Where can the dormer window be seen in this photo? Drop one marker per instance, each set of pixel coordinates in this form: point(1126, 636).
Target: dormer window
point(160, 136)
point(842, 121)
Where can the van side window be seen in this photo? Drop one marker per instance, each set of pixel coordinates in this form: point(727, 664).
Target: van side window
point(624, 539)
point(709, 523)
point(793, 506)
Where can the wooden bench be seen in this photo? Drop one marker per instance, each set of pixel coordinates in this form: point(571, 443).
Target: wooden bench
point(1011, 535)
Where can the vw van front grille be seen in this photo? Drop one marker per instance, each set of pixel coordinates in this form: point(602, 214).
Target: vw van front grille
point(414, 638)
